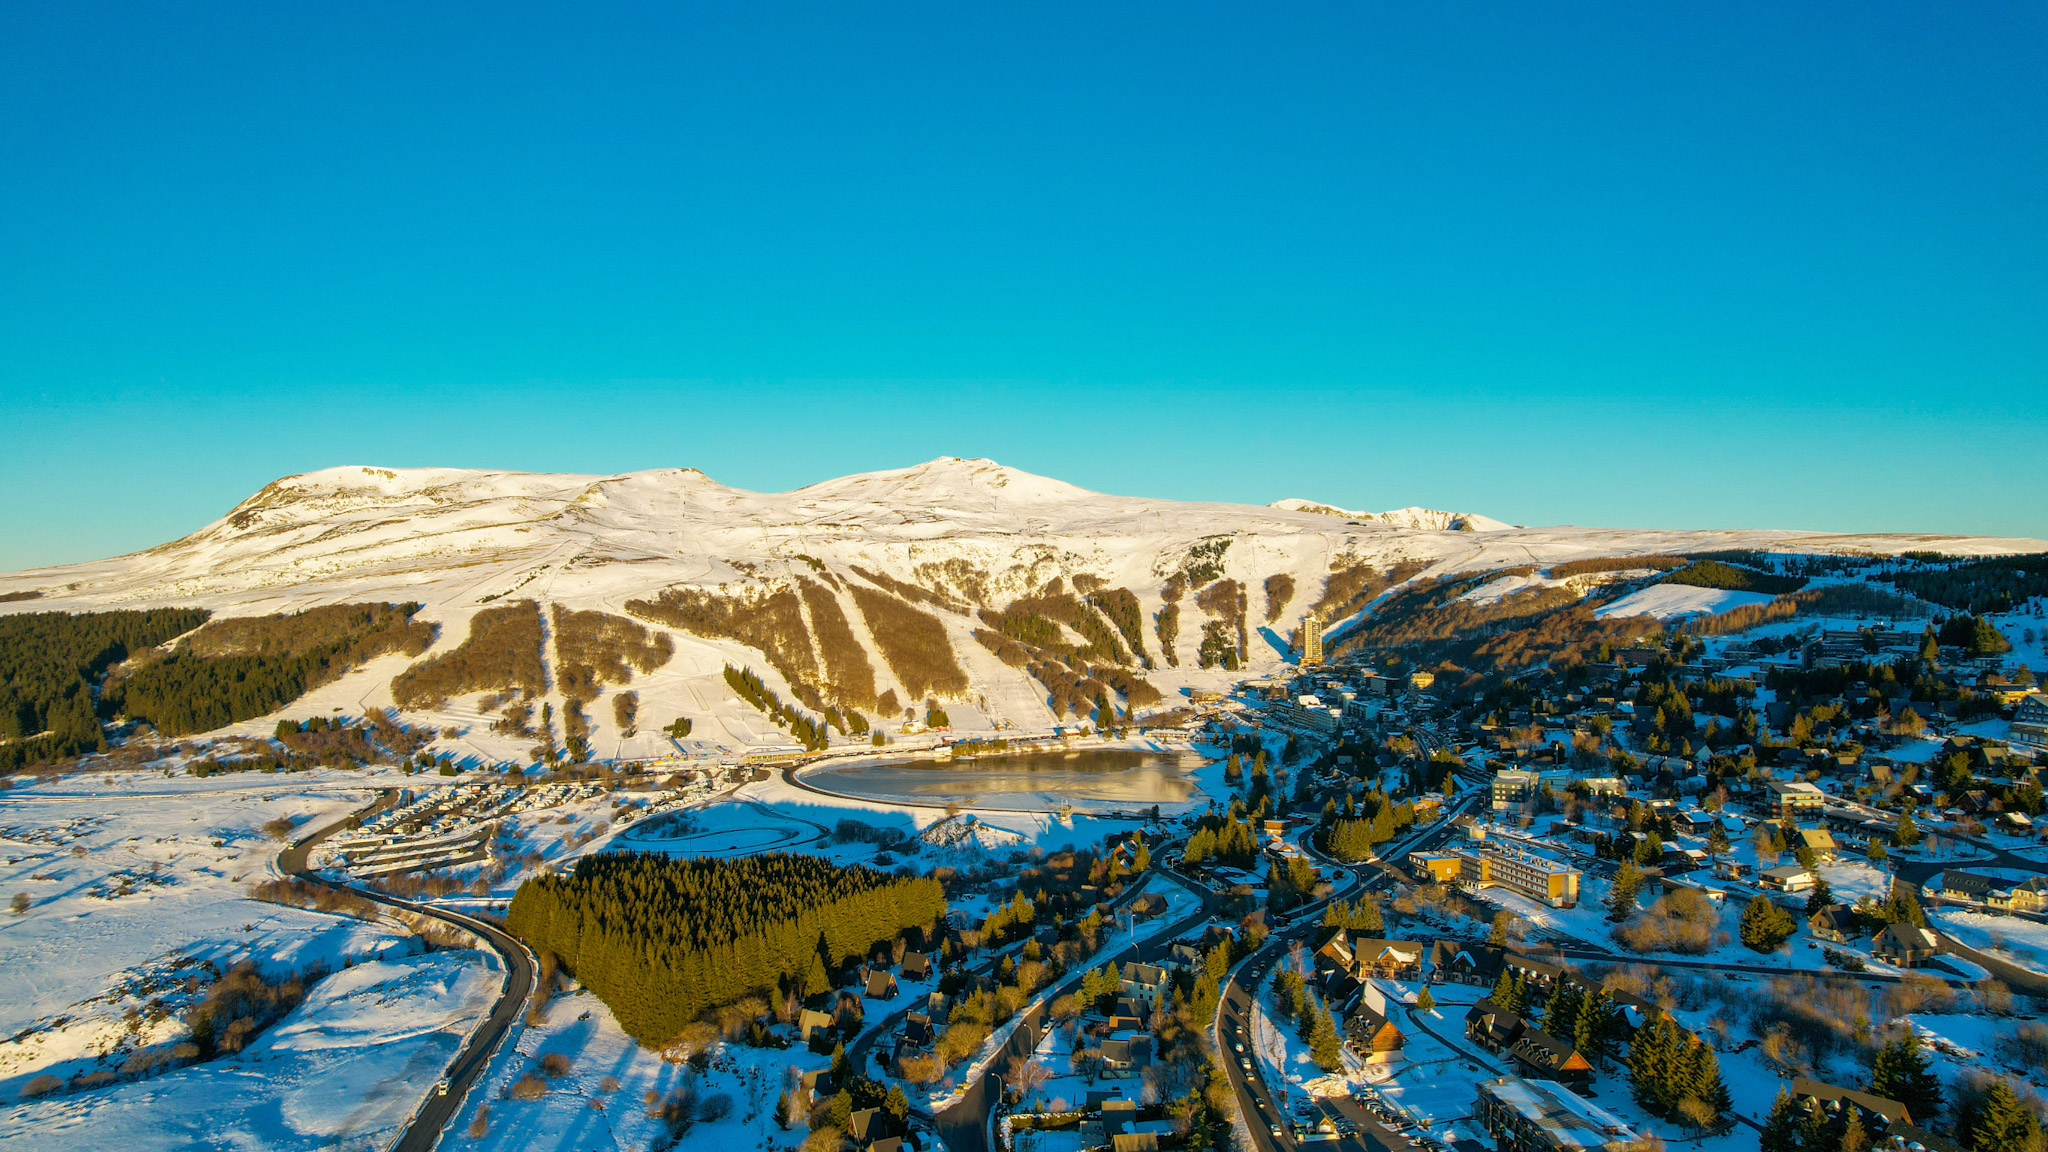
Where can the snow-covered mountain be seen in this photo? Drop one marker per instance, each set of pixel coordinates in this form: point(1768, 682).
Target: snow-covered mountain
point(951, 538)
point(1420, 519)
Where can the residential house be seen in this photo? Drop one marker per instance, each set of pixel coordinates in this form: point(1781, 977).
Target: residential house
point(2028, 896)
point(917, 966)
point(1491, 1026)
point(1836, 924)
point(1964, 886)
point(1818, 842)
point(880, 986)
point(1126, 1056)
point(1906, 945)
point(1457, 962)
point(810, 1023)
point(1545, 1057)
point(1143, 984)
point(1786, 878)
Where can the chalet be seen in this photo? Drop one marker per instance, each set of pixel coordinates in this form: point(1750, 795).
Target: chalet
point(1786, 878)
point(810, 1023)
point(817, 1086)
point(1457, 962)
point(2028, 896)
point(917, 1028)
point(880, 986)
point(869, 1125)
point(1877, 1112)
point(1492, 1027)
point(1954, 885)
point(1836, 924)
point(1906, 945)
point(1539, 974)
point(917, 966)
point(1818, 842)
point(1545, 1057)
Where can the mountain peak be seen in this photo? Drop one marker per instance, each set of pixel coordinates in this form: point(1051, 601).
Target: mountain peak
point(1412, 517)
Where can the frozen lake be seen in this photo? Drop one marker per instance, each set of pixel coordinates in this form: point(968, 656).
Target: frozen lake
point(1094, 779)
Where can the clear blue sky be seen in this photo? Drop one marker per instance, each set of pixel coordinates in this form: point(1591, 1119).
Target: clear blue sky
point(1631, 264)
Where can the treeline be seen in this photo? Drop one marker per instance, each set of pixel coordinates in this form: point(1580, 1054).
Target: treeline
point(1992, 584)
point(770, 620)
point(662, 940)
point(1587, 567)
point(1223, 646)
point(49, 662)
point(747, 685)
point(593, 649)
point(849, 678)
point(1351, 832)
point(1429, 623)
point(235, 669)
point(502, 651)
point(1714, 574)
point(1350, 586)
point(1120, 606)
point(1279, 592)
point(916, 593)
point(913, 642)
point(1825, 600)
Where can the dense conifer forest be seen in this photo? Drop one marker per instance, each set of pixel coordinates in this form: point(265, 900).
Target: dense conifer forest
point(245, 666)
point(663, 940)
point(1993, 584)
point(49, 662)
point(1714, 574)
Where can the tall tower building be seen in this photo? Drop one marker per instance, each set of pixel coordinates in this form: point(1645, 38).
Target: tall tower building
point(1311, 640)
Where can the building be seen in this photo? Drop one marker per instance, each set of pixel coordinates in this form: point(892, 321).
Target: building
point(1878, 1113)
point(1439, 867)
point(1312, 640)
point(1963, 886)
point(1539, 878)
point(1836, 924)
point(1515, 791)
point(1144, 983)
point(1906, 945)
point(2030, 896)
point(1817, 841)
point(1794, 800)
point(2030, 721)
point(1310, 712)
point(1786, 878)
point(1525, 1116)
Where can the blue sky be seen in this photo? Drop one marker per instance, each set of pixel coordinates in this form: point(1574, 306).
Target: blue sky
point(1628, 264)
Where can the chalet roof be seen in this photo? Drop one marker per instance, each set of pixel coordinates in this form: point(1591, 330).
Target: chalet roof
point(1542, 1050)
point(1829, 1094)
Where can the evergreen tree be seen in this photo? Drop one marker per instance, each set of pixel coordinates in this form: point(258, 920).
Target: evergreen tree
point(1596, 1028)
point(1855, 1137)
point(1323, 1045)
point(1820, 897)
point(1782, 1128)
point(1905, 833)
point(1628, 881)
point(1424, 1001)
point(2000, 1123)
point(1901, 1072)
point(1764, 926)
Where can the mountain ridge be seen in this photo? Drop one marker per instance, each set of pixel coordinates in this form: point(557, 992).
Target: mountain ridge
point(1038, 595)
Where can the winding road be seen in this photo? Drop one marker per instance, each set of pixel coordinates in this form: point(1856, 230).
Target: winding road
point(439, 1106)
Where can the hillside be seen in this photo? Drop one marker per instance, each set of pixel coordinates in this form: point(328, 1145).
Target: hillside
point(1008, 598)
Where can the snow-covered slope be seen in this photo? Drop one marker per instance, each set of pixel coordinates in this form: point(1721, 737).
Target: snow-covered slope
point(972, 531)
point(1420, 519)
